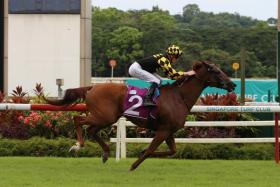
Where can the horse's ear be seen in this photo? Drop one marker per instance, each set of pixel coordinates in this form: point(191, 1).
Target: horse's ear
point(196, 66)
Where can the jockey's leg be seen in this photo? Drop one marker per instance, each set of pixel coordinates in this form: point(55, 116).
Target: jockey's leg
point(148, 100)
point(135, 70)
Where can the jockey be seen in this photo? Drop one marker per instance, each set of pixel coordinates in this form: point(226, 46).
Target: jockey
point(146, 68)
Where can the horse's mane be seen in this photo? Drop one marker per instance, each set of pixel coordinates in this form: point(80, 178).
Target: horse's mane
point(188, 77)
point(179, 81)
point(183, 79)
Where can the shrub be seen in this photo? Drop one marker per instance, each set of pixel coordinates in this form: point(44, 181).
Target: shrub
point(49, 124)
point(10, 127)
point(226, 151)
point(19, 95)
point(37, 146)
point(25, 124)
point(59, 147)
point(221, 132)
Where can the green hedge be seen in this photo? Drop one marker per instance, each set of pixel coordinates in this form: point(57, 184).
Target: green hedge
point(214, 151)
point(59, 147)
point(46, 147)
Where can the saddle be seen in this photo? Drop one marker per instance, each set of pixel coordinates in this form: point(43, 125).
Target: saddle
point(133, 103)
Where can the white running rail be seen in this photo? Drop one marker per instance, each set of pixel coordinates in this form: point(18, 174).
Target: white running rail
point(121, 140)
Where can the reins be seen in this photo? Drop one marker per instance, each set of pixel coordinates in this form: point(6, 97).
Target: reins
point(187, 78)
point(205, 82)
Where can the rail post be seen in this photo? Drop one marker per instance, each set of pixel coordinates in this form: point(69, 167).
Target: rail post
point(276, 132)
point(118, 143)
point(122, 126)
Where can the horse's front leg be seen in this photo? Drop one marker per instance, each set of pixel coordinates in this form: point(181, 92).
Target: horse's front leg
point(160, 136)
point(79, 121)
point(170, 141)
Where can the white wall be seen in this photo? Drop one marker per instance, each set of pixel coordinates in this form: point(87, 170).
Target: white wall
point(42, 48)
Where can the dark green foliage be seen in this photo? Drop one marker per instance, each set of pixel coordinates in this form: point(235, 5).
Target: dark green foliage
point(59, 127)
point(10, 126)
point(202, 36)
point(45, 147)
point(226, 151)
point(59, 147)
point(213, 151)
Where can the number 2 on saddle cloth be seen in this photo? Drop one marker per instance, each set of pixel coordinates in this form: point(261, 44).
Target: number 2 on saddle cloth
point(133, 103)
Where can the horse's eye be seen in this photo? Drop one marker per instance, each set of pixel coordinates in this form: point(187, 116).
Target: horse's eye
point(213, 69)
point(210, 69)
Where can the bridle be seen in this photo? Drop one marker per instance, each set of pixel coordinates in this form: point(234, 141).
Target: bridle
point(205, 82)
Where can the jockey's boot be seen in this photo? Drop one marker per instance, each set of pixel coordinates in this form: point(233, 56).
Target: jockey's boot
point(148, 100)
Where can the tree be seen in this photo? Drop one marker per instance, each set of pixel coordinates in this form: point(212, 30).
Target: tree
point(191, 52)
point(190, 11)
point(157, 30)
point(253, 67)
point(99, 44)
point(205, 35)
point(220, 58)
point(125, 47)
point(272, 21)
point(108, 19)
point(104, 22)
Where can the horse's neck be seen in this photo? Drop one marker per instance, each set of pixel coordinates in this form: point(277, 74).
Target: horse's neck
point(190, 91)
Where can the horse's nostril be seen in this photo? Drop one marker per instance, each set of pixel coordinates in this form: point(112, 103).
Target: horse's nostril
point(232, 84)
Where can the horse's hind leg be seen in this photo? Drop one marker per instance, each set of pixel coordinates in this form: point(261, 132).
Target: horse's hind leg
point(96, 124)
point(106, 150)
point(79, 121)
point(158, 139)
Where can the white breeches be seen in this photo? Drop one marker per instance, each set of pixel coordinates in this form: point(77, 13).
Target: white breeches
point(135, 70)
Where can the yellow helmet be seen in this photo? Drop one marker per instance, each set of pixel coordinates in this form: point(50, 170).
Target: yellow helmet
point(174, 50)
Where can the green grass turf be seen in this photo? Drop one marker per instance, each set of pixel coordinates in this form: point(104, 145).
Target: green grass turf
point(80, 172)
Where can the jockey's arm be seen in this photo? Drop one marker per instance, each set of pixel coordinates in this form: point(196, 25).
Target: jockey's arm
point(168, 70)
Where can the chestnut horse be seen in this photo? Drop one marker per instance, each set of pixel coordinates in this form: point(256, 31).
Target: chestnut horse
point(105, 103)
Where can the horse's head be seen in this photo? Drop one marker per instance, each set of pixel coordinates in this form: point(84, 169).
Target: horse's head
point(213, 76)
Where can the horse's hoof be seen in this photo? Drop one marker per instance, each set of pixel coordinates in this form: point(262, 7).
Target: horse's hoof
point(132, 168)
point(75, 147)
point(105, 157)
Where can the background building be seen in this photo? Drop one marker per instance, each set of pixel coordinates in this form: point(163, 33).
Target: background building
point(45, 40)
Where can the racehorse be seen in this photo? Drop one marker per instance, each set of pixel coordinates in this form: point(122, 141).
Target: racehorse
point(105, 106)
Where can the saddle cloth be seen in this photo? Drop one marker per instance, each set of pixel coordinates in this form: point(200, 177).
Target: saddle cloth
point(133, 103)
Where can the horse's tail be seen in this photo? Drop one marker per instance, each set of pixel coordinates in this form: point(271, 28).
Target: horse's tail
point(70, 96)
